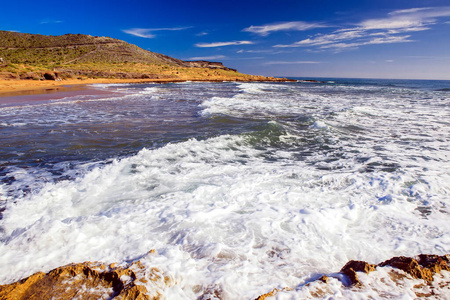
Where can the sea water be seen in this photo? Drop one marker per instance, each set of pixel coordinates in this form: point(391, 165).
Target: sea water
point(239, 187)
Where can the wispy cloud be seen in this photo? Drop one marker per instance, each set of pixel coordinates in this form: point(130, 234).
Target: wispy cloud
point(222, 44)
point(327, 39)
point(148, 32)
point(388, 30)
point(265, 30)
point(49, 21)
point(213, 57)
point(255, 51)
point(374, 41)
point(299, 62)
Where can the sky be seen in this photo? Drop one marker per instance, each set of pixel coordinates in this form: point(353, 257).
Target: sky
point(295, 38)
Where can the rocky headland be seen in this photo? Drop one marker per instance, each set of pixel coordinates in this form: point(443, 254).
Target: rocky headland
point(75, 57)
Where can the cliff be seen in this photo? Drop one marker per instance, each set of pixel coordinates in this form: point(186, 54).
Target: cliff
point(207, 64)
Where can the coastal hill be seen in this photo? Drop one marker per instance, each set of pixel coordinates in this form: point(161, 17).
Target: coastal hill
point(78, 56)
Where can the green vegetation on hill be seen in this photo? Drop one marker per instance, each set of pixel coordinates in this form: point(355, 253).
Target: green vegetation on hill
point(30, 56)
point(36, 49)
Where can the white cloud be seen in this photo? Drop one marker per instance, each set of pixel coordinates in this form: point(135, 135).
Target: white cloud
point(424, 12)
point(374, 41)
point(407, 11)
point(148, 32)
point(265, 30)
point(324, 39)
point(140, 32)
point(255, 51)
point(49, 21)
point(222, 44)
point(413, 19)
point(291, 62)
point(214, 57)
point(392, 23)
point(386, 30)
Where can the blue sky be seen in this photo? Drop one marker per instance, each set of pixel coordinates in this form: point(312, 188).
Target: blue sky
point(314, 38)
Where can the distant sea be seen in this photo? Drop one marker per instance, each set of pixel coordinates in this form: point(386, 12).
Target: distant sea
point(239, 187)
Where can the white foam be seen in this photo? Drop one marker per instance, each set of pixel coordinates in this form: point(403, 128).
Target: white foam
point(319, 125)
point(212, 217)
point(227, 217)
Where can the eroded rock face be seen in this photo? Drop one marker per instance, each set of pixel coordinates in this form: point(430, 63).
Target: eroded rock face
point(422, 267)
point(89, 281)
point(207, 64)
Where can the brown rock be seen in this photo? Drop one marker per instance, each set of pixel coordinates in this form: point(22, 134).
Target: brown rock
point(272, 293)
point(86, 281)
point(30, 75)
point(50, 76)
point(324, 279)
point(354, 266)
point(422, 267)
point(8, 75)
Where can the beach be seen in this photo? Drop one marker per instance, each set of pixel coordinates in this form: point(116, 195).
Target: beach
point(232, 190)
point(10, 87)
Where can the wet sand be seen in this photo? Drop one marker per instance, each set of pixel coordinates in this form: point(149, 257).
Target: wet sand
point(24, 87)
point(41, 95)
point(20, 92)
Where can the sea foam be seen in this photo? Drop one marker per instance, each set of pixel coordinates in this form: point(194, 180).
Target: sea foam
point(245, 212)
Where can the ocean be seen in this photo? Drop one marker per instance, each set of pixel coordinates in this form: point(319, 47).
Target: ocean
point(239, 187)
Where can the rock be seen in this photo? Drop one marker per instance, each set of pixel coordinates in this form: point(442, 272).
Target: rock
point(354, 266)
point(89, 281)
point(8, 75)
point(324, 279)
point(30, 76)
point(207, 64)
point(422, 267)
point(50, 76)
point(272, 293)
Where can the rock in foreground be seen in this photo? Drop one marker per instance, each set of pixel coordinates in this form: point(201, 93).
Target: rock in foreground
point(90, 281)
point(423, 276)
point(398, 277)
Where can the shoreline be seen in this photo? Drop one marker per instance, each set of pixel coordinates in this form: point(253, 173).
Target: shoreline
point(144, 282)
point(21, 87)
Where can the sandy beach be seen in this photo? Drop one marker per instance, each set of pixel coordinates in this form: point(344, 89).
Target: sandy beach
point(28, 87)
point(15, 88)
